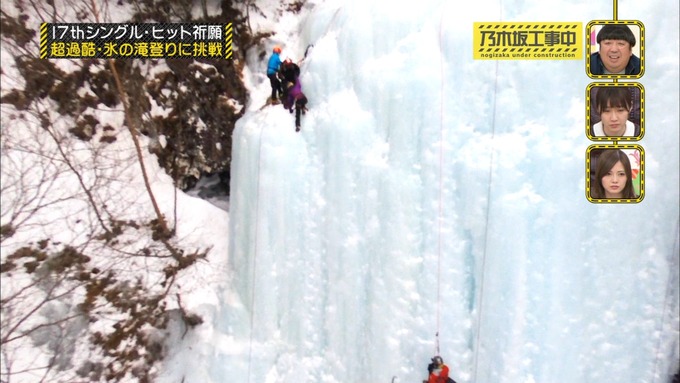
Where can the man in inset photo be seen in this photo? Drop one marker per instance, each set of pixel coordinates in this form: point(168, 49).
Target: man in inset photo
point(616, 56)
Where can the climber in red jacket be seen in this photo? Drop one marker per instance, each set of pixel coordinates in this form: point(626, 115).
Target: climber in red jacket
point(439, 372)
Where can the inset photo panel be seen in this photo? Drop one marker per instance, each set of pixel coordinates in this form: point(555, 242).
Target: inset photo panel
point(616, 49)
point(615, 111)
point(615, 173)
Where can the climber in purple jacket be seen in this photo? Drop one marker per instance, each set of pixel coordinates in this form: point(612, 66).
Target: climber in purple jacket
point(295, 99)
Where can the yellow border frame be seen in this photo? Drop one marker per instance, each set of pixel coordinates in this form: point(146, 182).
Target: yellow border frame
point(228, 34)
point(642, 111)
point(527, 40)
point(128, 41)
point(641, 174)
point(642, 49)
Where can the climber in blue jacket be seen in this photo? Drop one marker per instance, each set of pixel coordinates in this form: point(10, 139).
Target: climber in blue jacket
point(272, 73)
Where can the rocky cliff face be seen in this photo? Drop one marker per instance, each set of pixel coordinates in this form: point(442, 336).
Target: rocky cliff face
point(204, 100)
point(187, 107)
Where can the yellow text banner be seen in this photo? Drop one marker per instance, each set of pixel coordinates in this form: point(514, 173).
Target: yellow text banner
point(528, 41)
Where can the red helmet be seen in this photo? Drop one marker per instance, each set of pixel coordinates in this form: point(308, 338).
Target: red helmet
point(277, 49)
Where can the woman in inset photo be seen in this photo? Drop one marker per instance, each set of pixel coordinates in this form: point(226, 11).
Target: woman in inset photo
point(613, 176)
point(613, 106)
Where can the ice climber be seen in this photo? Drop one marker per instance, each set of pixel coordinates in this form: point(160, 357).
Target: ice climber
point(289, 70)
point(439, 372)
point(272, 72)
point(295, 98)
point(288, 73)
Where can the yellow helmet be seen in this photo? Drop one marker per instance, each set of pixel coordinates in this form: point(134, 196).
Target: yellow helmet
point(277, 49)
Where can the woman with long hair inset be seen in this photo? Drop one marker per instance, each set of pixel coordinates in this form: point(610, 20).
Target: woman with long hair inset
point(613, 176)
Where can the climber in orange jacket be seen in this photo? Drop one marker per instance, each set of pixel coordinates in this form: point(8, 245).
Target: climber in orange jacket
point(439, 372)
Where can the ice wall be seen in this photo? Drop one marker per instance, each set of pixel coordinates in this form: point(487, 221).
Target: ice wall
point(431, 192)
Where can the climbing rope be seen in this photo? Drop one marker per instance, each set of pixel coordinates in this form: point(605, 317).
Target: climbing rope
point(257, 218)
point(488, 209)
point(440, 213)
point(486, 228)
point(311, 45)
point(255, 252)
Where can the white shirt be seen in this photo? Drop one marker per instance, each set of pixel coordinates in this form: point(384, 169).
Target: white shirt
point(599, 130)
